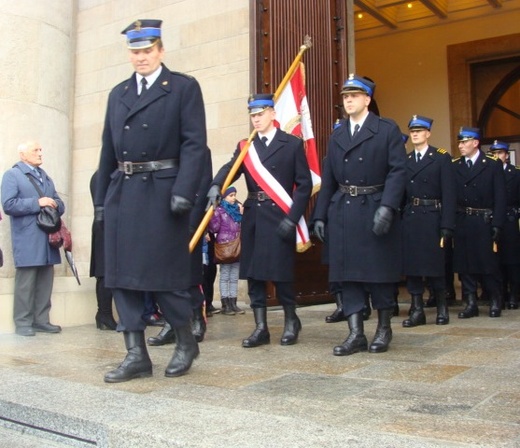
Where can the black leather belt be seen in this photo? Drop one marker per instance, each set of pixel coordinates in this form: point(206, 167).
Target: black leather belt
point(354, 190)
point(130, 168)
point(418, 201)
point(260, 196)
point(475, 211)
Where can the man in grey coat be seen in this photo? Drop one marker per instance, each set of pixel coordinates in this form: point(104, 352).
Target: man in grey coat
point(363, 182)
point(34, 258)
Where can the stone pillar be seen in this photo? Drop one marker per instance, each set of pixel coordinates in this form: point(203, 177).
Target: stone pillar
point(36, 82)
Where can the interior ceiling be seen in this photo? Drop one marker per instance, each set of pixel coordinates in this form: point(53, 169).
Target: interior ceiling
point(383, 16)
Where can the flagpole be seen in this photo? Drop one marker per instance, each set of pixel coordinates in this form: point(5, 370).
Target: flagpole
point(205, 221)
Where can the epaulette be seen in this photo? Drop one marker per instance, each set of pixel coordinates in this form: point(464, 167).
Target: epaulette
point(185, 75)
point(491, 156)
point(456, 160)
point(441, 151)
point(517, 167)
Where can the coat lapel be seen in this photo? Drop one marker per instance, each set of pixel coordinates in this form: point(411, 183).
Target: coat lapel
point(159, 88)
point(367, 131)
point(275, 145)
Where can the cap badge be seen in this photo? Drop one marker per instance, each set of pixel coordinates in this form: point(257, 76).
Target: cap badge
point(138, 25)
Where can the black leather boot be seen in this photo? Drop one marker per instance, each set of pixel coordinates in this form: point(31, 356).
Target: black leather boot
point(185, 352)
point(260, 335)
point(383, 334)
point(198, 324)
point(226, 307)
point(451, 296)
point(292, 326)
point(417, 317)
point(137, 363)
point(443, 317)
point(367, 309)
point(104, 317)
point(165, 336)
point(356, 340)
point(471, 309)
point(495, 304)
point(432, 299)
point(337, 315)
point(395, 311)
point(512, 303)
point(234, 306)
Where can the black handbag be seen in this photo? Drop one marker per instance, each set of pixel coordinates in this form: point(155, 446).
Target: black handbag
point(48, 219)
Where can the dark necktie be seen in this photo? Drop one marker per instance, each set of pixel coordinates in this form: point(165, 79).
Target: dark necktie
point(144, 83)
point(264, 141)
point(469, 163)
point(39, 175)
point(418, 157)
point(356, 130)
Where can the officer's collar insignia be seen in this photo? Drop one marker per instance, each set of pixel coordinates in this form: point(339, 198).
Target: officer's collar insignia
point(165, 83)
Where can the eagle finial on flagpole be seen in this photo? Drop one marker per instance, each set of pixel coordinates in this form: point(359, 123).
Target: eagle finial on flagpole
point(307, 43)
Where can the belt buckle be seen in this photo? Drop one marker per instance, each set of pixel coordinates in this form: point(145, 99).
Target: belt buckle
point(352, 190)
point(128, 168)
point(261, 196)
point(415, 202)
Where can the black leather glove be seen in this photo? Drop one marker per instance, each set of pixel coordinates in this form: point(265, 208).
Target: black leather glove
point(180, 205)
point(495, 234)
point(286, 230)
point(447, 234)
point(214, 197)
point(99, 214)
point(383, 219)
point(319, 230)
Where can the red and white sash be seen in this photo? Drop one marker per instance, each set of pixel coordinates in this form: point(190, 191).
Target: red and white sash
point(276, 192)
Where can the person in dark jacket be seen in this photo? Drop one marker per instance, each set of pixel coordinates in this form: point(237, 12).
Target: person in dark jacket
point(363, 182)
point(104, 316)
point(481, 213)
point(152, 159)
point(34, 257)
point(268, 236)
point(509, 243)
point(428, 221)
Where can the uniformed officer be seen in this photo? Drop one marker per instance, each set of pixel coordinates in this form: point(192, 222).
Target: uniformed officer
point(509, 244)
point(268, 235)
point(362, 187)
point(428, 220)
point(481, 207)
point(152, 160)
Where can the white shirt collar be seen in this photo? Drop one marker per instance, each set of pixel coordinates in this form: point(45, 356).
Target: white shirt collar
point(269, 135)
point(360, 122)
point(150, 79)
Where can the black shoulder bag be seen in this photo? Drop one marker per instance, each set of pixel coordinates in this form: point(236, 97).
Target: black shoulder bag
point(48, 219)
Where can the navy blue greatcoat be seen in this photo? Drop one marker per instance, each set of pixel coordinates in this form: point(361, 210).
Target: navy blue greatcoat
point(432, 177)
point(482, 186)
point(509, 245)
point(376, 156)
point(264, 255)
point(146, 246)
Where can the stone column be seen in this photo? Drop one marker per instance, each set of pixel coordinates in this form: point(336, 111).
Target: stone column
point(36, 81)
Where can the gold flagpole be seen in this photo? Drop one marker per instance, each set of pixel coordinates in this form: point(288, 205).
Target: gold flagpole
point(205, 221)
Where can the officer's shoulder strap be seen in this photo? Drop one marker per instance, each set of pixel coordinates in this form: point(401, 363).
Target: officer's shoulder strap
point(442, 151)
point(491, 156)
point(456, 160)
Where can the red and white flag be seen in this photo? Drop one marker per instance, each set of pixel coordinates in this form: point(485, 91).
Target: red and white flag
point(293, 116)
